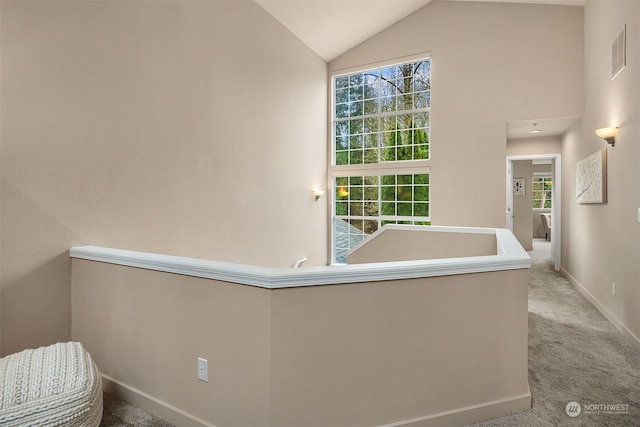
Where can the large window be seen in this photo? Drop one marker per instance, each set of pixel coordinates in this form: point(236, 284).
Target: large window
point(381, 147)
point(542, 188)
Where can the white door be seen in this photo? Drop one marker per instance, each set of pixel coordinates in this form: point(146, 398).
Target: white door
point(509, 211)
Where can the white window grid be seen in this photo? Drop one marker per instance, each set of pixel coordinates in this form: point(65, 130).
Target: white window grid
point(359, 136)
point(359, 116)
point(538, 191)
point(361, 201)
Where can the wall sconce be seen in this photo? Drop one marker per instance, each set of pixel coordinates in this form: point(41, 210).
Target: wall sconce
point(608, 134)
point(317, 194)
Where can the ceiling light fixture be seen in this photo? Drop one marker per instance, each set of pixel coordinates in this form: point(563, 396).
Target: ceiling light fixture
point(535, 129)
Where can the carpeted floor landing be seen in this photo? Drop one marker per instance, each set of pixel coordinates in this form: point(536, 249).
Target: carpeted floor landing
point(575, 355)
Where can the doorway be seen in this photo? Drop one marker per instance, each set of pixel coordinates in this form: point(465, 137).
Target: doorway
point(522, 186)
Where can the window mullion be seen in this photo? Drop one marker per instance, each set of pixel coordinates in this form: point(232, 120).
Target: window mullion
point(382, 115)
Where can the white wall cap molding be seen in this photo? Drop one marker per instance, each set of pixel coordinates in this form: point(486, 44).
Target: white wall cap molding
point(510, 256)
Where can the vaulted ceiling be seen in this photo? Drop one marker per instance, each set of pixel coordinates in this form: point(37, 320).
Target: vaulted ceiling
point(328, 28)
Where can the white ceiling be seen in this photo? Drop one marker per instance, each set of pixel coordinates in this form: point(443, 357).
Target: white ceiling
point(327, 27)
point(549, 127)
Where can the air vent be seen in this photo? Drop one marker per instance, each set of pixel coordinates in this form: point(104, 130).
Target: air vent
point(619, 53)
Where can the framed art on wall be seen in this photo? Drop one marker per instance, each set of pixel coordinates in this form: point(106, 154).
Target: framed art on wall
point(591, 178)
point(518, 186)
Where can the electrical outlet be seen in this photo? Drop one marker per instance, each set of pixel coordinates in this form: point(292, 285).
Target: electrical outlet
point(203, 369)
point(638, 215)
point(613, 289)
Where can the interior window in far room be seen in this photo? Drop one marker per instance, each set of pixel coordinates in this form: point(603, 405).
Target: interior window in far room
point(541, 191)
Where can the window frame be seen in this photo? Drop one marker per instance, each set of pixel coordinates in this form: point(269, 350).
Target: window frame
point(542, 176)
point(397, 167)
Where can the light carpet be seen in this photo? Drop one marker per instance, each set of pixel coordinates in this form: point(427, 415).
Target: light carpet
point(575, 355)
point(119, 413)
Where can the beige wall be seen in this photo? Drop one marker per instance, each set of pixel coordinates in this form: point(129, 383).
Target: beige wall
point(601, 243)
point(311, 356)
point(339, 358)
point(522, 208)
point(412, 244)
point(147, 329)
point(189, 128)
point(530, 146)
point(542, 168)
point(491, 63)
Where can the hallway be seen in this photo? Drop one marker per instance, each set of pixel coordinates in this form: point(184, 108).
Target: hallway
point(575, 355)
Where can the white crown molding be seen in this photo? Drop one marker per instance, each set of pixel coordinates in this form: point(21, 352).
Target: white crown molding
point(510, 256)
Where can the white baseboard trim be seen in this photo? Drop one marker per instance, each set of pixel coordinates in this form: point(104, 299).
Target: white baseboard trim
point(633, 339)
point(456, 417)
point(152, 405)
point(471, 414)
